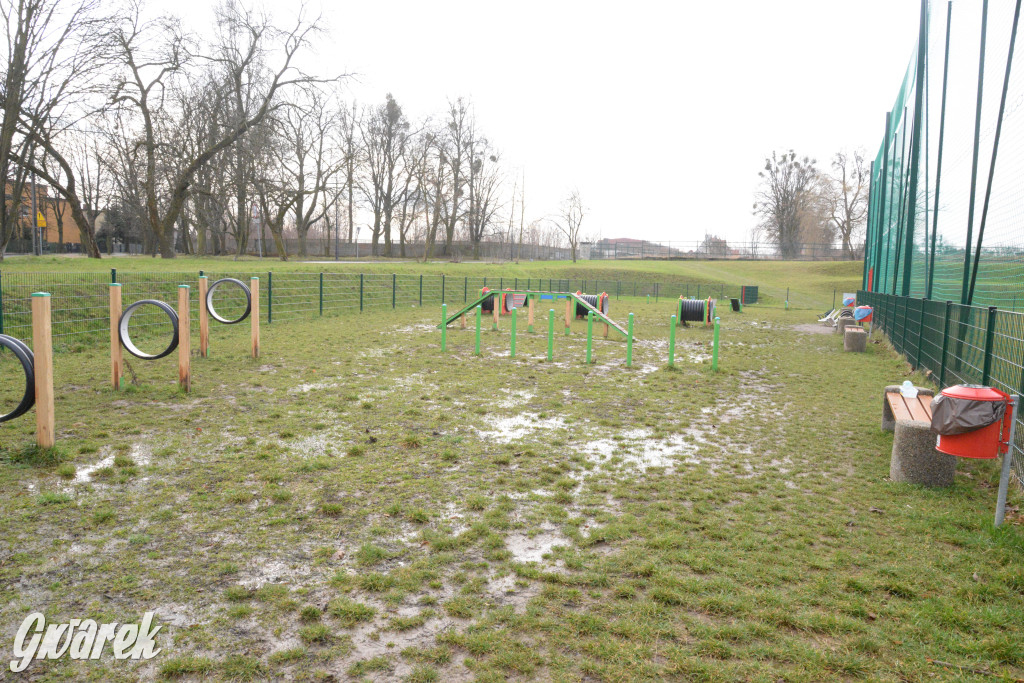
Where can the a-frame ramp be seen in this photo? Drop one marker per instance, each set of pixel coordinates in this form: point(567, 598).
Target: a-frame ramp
point(470, 307)
point(600, 316)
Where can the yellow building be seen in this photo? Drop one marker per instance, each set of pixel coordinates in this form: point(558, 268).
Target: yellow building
point(53, 212)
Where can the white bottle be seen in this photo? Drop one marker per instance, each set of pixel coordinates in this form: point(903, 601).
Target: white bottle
point(908, 389)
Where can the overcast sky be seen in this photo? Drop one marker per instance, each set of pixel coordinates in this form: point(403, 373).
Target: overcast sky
point(660, 113)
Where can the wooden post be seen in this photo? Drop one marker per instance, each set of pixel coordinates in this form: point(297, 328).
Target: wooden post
point(204, 317)
point(606, 330)
point(254, 316)
point(115, 338)
point(568, 314)
point(184, 341)
point(42, 348)
point(463, 321)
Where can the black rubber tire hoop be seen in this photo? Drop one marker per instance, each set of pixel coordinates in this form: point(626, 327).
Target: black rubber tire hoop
point(126, 342)
point(28, 362)
point(213, 312)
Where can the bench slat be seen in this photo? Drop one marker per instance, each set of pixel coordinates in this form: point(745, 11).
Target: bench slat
point(919, 408)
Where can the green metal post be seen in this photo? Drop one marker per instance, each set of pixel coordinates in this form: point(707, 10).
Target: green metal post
point(964, 298)
point(883, 211)
point(321, 293)
point(590, 336)
point(938, 163)
point(995, 151)
point(394, 286)
point(512, 353)
point(945, 346)
point(360, 292)
point(479, 310)
point(113, 276)
point(444, 327)
point(672, 342)
point(629, 343)
point(421, 291)
point(990, 337)
point(915, 151)
point(442, 288)
point(551, 334)
point(714, 347)
point(923, 303)
point(270, 297)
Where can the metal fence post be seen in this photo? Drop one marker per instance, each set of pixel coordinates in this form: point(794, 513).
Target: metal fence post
point(421, 290)
point(442, 288)
point(321, 293)
point(394, 286)
point(945, 346)
point(990, 334)
point(920, 327)
point(360, 292)
point(270, 297)
point(113, 276)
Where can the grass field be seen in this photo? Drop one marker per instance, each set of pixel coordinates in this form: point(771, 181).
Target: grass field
point(802, 275)
point(356, 505)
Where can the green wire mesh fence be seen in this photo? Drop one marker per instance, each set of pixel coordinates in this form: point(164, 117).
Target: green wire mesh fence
point(946, 209)
point(81, 300)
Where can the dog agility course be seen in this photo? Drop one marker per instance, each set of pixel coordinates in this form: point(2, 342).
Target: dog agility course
point(387, 495)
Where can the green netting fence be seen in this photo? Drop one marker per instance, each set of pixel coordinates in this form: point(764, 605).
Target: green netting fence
point(946, 205)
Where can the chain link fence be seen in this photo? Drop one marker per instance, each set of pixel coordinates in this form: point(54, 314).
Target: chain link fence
point(957, 344)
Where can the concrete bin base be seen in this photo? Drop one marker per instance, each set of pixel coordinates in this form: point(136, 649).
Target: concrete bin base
point(914, 458)
point(855, 339)
point(888, 421)
point(843, 323)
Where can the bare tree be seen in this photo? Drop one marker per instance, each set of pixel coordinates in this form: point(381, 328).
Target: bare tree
point(570, 221)
point(845, 195)
point(484, 184)
point(456, 143)
point(154, 57)
point(783, 203)
point(385, 134)
point(56, 49)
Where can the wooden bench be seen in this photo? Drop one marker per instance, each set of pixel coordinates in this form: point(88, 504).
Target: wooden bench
point(914, 458)
point(896, 407)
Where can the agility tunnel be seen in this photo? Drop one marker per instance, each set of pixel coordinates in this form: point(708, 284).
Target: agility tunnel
point(695, 311)
point(596, 301)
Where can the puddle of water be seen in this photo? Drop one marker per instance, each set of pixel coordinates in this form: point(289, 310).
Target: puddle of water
point(139, 454)
point(272, 571)
point(638, 448)
point(311, 386)
point(514, 399)
point(509, 429)
point(526, 548)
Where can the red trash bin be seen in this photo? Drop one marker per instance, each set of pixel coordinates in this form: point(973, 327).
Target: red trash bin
point(986, 442)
